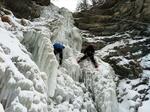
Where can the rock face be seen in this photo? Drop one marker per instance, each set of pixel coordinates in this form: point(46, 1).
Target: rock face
point(25, 8)
point(115, 16)
point(146, 10)
point(42, 2)
point(123, 51)
point(124, 25)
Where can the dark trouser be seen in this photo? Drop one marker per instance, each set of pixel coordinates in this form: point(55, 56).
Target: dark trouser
point(60, 52)
point(91, 58)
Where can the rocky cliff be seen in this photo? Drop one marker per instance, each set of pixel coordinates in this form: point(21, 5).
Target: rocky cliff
point(124, 21)
point(25, 8)
point(115, 16)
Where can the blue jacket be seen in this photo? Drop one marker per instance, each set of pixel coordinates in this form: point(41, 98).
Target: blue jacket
point(58, 46)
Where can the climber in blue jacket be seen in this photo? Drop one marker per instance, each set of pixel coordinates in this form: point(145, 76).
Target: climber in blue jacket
point(58, 49)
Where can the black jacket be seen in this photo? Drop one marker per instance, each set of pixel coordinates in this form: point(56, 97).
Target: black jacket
point(90, 50)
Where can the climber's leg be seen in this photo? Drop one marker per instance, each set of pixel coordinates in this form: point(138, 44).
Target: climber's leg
point(93, 61)
point(82, 58)
point(55, 51)
point(60, 57)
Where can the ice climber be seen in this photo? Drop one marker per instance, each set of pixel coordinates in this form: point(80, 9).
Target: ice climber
point(89, 53)
point(58, 49)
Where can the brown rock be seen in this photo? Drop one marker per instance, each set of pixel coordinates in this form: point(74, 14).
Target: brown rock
point(146, 14)
point(99, 18)
point(42, 2)
point(122, 13)
point(7, 19)
point(23, 8)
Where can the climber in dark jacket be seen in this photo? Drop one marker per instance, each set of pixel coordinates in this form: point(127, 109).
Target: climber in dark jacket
point(58, 49)
point(89, 53)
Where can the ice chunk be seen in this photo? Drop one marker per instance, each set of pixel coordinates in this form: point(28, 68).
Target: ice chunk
point(1, 108)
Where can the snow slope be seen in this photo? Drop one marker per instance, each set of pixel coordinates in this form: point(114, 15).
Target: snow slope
point(31, 79)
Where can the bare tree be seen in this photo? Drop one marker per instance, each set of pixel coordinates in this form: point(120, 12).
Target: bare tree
point(94, 2)
point(84, 4)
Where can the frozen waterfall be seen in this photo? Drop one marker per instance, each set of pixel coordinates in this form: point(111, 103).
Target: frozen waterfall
point(1, 108)
point(100, 82)
point(31, 79)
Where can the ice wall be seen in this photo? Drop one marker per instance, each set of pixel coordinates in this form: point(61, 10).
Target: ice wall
point(60, 22)
point(101, 83)
point(29, 71)
point(57, 27)
point(21, 84)
point(1, 108)
point(71, 96)
point(42, 52)
point(70, 36)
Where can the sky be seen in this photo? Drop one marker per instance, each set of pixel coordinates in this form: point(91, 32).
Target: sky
point(69, 4)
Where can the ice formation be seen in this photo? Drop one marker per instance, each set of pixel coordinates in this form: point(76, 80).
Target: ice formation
point(101, 84)
point(1, 108)
point(31, 79)
point(21, 84)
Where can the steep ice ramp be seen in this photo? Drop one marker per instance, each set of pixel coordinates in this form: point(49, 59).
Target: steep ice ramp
point(101, 83)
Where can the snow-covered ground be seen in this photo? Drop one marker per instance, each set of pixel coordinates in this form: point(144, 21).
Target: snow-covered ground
point(31, 79)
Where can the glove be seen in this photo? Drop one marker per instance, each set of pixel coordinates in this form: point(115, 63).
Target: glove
point(96, 65)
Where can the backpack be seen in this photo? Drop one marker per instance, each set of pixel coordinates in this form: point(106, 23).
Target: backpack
point(58, 46)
